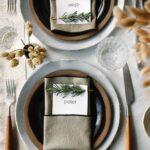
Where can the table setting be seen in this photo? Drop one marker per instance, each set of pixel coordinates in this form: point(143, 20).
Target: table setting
point(74, 75)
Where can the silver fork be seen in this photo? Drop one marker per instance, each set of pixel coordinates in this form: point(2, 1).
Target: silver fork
point(11, 6)
point(10, 99)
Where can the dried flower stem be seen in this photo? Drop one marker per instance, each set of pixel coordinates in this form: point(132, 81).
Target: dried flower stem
point(29, 39)
point(22, 42)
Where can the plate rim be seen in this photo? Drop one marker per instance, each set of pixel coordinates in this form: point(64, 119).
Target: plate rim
point(62, 44)
point(70, 64)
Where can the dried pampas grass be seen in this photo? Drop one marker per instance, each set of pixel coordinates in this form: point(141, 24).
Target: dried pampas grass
point(137, 46)
point(140, 32)
point(147, 6)
point(146, 82)
point(141, 13)
point(138, 57)
point(141, 22)
point(126, 22)
point(118, 13)
point(145, 71)
point(144, 39)
point(145, 51)
point(138, 20)
point(144, 47)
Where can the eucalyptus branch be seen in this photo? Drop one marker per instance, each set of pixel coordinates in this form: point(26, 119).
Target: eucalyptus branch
point(65, 90)
point(75, 17)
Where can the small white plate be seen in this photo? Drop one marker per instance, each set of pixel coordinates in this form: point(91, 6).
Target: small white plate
point(68, 65)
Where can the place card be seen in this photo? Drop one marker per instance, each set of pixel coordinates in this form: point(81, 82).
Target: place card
point(72, 16)
point(73, 11)
point(70, 104)
point(67, 96)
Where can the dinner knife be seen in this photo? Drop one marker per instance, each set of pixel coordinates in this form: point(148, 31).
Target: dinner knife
point(129, 91)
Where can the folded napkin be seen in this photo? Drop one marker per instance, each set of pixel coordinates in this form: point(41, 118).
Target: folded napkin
point(66, 132)
point(71, 10)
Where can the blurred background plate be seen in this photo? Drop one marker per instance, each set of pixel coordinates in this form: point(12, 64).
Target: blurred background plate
point(101, 111)
point(41, 12)
point(67, 65)
point(54, 42)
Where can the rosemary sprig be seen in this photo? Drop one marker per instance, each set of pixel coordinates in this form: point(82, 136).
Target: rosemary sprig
point(75, 17)
point(65, 90)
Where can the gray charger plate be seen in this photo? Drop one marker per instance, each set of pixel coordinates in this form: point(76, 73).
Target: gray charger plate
point(62, 44)
point(67, 65)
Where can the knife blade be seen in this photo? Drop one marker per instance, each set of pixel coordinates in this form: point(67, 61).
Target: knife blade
point(129, 91)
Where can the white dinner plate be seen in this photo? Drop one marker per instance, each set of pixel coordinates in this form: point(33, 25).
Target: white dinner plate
point(68, 65)
point(62, 44)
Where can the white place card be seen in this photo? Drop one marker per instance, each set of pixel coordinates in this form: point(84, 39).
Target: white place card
point(77, 105)
point(68, 7)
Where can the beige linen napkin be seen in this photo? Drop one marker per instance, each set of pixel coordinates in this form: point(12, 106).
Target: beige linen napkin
point(72, 28)
point(65, 132)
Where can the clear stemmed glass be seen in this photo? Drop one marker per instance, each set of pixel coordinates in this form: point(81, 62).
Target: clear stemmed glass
point(112, 53)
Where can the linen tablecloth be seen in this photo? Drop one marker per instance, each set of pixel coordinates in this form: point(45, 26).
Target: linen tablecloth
point(18, 74)
point(140, 139)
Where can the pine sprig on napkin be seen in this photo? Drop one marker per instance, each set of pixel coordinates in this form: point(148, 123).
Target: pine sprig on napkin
point(75, 17)
point(65, 90)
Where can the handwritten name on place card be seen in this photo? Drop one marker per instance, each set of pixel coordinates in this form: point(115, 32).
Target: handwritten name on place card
point(71, 105)
point(73, 5)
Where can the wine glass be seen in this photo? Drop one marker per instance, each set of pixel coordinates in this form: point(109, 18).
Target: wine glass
point(112, 53)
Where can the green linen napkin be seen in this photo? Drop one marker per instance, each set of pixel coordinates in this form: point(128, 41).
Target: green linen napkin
point(72, 27)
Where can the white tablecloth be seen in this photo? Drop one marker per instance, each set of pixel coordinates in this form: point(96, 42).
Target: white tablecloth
point(140, 140)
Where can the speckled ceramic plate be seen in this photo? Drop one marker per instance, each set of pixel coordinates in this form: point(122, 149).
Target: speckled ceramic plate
point(93, 72)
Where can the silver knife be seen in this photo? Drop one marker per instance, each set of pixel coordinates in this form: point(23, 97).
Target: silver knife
point(129, 91)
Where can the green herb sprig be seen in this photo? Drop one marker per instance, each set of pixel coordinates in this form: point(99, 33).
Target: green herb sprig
point(65, 90)
point(75, 17)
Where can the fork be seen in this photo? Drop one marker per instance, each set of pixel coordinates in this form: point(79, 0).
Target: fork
point(10, 99)
point(11, 6)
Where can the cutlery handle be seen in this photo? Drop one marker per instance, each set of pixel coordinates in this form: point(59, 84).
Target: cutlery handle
point(8, 133)
point(128, 132)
